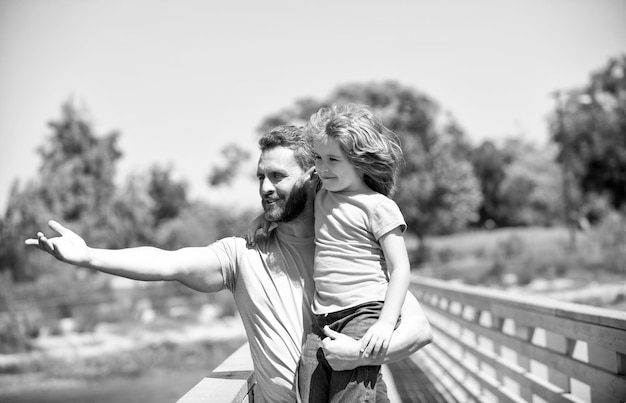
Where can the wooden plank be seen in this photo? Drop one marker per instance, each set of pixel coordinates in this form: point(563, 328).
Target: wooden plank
point(608, 337)
point(610, 383)
point(231, 382)
point(484, 298)
point(414, 385)
point(520, 375)
point(433, 363)
point(482, 379)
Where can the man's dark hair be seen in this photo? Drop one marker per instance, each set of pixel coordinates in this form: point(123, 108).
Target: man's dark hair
point(293, 138)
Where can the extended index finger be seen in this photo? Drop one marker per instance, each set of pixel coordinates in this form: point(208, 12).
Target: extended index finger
point(55, 226)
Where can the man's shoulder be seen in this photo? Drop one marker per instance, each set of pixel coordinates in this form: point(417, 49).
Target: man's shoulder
point(234, 240)
point(232, 246)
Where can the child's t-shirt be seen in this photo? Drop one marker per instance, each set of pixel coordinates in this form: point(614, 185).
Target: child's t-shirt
point(350, 266)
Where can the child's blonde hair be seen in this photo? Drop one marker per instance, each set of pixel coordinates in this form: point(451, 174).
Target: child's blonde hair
point(371, 148)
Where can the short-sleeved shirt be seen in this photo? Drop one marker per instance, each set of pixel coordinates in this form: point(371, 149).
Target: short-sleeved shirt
point(350, 267)
point(273, 289)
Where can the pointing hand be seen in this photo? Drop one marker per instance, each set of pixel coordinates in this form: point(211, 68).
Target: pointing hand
point(68, 247)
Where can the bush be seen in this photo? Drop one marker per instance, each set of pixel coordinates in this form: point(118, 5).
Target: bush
point(610, 238)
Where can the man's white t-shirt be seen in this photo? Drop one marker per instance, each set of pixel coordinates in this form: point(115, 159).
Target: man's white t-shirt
point(273, 289)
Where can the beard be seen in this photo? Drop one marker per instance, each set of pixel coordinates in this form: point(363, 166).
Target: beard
point(285, 209)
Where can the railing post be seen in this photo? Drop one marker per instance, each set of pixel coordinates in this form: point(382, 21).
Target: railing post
point(611, 361)
point(525, 333)
point(557, 342)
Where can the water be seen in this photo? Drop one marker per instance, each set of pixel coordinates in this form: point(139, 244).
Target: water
point(154, 386)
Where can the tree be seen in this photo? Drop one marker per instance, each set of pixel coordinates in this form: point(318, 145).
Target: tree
point(589, 127)
point(75, 184)
point(521, 184)
point(23, 215)
point(77, 173)
point(235, 156)
point(201, 224)
point(531, 191)
point(169, 196)
point(438, 191)
point(489, 164)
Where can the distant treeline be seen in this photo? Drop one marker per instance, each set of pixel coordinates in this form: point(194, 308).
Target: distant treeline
point(447, 185)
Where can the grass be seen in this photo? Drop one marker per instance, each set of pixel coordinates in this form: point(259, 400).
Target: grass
point(528, 258)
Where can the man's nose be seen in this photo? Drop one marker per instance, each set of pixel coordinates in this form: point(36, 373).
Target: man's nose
point(267, 186)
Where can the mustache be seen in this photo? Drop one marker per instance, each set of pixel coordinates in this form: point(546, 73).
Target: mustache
point(272, 198)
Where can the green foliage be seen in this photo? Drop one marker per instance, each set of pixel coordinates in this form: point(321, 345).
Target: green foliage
point(169, 197)
point(610, 238)
point(78, 168)
point(438, 191)
point(521, 184)
point(531, 191)
point(23, 217)
point(235, 156)
point(531, 256)
point(589, 128)
point(489, 163)
point(76, 185)
point(201, 224)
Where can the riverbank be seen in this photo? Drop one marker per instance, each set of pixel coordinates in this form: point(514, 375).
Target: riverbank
point(139, 362)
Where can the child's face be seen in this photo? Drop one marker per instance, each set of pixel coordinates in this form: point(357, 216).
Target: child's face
point(334, 169)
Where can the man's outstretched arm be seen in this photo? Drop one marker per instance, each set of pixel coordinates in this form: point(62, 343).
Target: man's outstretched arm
point(197, 268)
point(414, 332)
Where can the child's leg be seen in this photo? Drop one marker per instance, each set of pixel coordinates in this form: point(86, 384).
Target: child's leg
point(381, 389)
point(312, 379)
point(358, 385)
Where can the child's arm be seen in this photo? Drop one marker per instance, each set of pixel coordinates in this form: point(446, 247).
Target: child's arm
point(259, 226)
point(378, 336)
point(197, 268)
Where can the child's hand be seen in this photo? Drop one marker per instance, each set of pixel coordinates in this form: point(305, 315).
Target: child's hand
point(377, 338)
point(310, 181)
point(258, 226)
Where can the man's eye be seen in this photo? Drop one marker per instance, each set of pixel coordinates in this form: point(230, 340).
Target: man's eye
point(317, 158)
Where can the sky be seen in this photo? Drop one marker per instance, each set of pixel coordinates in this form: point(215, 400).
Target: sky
point(181, 79)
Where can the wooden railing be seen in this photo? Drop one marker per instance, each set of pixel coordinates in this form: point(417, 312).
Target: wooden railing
point(497, 346)
point(231, 381)
point(489, 346)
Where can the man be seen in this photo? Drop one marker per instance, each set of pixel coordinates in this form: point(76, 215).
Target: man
point(272, 282)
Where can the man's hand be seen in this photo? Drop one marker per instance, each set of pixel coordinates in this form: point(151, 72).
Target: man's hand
point(413, 332)
point(69, 247)
point(342, 352)
point(377, 338)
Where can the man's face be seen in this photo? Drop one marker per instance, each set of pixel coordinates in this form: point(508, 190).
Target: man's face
point(283, 194)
